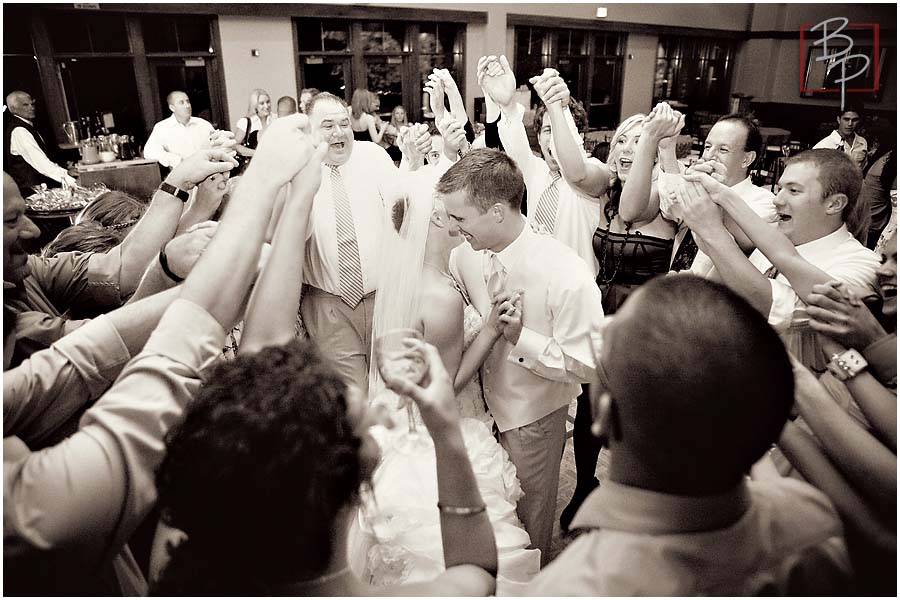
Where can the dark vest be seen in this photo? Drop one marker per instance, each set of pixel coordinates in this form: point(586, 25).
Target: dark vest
point(18, 168)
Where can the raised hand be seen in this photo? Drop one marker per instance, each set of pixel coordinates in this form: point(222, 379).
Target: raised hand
point(700, 213)
point(200, 165)
point(435, 90)
point(210, 193)
point(551, 87)
point(285, 149)
point(415, 141)
point(662, 122)
point(711, 167)
point(454, 134)
point(183, 251)
point(306, 182)
point(836, 313)
point(222, 140)
point(436, 400)
point(497, 79)
point(511, 317)
point(713, 186)
point(457, 106)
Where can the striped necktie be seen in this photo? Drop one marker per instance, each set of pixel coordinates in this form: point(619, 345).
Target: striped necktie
point(349, 268)
point(494, 275)
point(545, 213)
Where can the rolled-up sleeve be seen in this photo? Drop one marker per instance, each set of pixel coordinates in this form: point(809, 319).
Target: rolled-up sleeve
point(565, 355)
point(44, 391)
point(80, 279)
point(85, 496)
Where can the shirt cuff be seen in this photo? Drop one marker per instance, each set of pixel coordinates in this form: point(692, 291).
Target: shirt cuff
point(97, 351)
point(189, 335)
point(783, 304)
point(882, 358)
point(104, 270)
point(529, 348)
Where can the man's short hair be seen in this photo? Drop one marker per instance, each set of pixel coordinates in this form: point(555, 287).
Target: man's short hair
point(854, 106)
point(838, 175)
point(169, 100)
point(287, 101)
point(753, 142)
point(12, 98)
point(323, 97)
point(489, 176)
point(702, 384)
point(579, 115)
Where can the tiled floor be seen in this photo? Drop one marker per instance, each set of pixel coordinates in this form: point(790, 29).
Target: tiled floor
point(567, 485)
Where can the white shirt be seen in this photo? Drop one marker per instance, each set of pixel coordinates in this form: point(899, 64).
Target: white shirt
point(760, 200)
point(22, 143)
point(839, 255)
point(578, 214)
point(255, 123)
point(857, 151)
point(372, 183)
point(170, 141)
point(561, 304)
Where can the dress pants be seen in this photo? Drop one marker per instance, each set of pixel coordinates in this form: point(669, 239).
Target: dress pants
point(536, 449)
point(342, 334)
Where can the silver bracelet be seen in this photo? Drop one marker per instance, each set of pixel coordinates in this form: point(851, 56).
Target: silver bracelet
point(461, 511)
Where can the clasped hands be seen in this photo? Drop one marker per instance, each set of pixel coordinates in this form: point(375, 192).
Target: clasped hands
point(506, 315)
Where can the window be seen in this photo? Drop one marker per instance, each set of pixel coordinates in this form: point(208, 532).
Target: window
point(389, 58)
point(167, 33)
point(694, 72)
point(590, 62)
point(87, 32)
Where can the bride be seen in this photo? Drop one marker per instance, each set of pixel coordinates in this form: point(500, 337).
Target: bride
point(397, 535)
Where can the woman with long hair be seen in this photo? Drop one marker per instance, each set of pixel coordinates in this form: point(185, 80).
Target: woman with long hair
point(390, 139)
point(248, 128)
point(362, 117)
point(398, 533)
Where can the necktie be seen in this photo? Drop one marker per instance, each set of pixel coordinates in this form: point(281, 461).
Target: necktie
point(349, 269)
point(495, 275)
point(686, 253)
point(545, 213)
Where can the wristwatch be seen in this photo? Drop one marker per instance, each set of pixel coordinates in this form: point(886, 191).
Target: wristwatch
point(847, 365)
point(174, 191)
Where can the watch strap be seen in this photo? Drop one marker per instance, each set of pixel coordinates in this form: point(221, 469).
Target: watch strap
point(174, 191)
point(847, 365)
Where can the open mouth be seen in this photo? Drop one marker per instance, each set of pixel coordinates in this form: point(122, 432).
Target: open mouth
point(625, 163)
point(780, 218)
point(889, 290)
point(338, 145)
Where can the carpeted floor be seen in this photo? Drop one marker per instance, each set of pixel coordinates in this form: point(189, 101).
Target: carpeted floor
point(567, 485)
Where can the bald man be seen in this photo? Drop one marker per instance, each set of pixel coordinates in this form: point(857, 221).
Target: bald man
point(25, 152)
point(180, 135)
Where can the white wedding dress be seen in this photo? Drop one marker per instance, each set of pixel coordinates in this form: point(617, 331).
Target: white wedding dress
point(397, 537)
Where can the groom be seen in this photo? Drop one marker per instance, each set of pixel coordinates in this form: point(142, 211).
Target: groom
point(549, 301)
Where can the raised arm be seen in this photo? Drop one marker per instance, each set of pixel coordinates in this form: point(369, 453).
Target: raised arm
point(275, 301)
point(470, 551)
point(704, 218)
point(159, 223)
point(591, 179)
point(772, 243)
point(481, 346)
point(499, 83)
point(640, 196)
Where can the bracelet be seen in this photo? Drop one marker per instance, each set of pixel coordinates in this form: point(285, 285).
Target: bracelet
point(164, 264)
point(461, 511)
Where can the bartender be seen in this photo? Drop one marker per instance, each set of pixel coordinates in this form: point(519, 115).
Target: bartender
point(25, 153)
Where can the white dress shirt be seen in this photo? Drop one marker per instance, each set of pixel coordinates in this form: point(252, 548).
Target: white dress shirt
point(170, 141)
point(838, 254)
point(255, 123)
point(561, 303)
point(372, 183)
point(760, 200)
point(578, 214)
point(22, 143)
point(857, 151)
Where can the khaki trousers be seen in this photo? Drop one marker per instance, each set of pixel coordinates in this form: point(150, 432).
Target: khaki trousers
point(536, 449)
point(342, 334)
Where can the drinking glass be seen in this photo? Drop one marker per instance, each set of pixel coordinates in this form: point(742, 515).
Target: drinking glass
point(396, 360)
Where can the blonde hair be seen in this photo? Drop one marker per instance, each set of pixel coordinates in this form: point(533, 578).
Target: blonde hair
point(254, 100)
point(360, 103)
point(624, 127)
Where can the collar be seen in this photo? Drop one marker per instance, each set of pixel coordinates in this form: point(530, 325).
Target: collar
point(510, 255)
point(175, 121)
point(25, 120)
point(744, 185)
point(634, 510)
point(832, 240)
point(836, 136)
